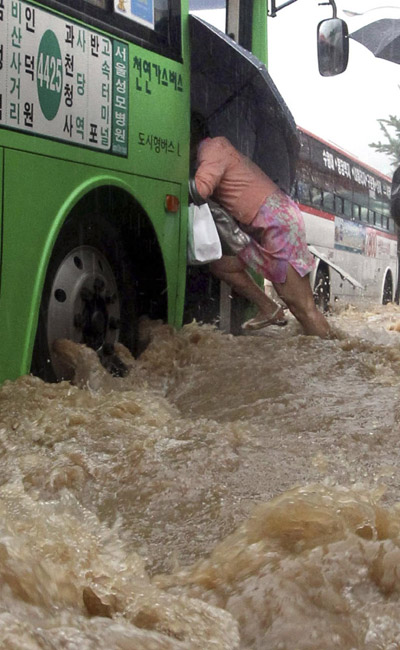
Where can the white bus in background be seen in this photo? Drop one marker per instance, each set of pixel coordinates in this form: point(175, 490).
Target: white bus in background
point(346, 208)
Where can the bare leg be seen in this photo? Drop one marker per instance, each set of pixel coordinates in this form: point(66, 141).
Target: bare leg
point(297, 294)
point(231, 270)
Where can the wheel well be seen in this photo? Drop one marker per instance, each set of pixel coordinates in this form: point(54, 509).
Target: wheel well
point(322, 268)
point(137, 236)
point(387, 291)
point(321, 287)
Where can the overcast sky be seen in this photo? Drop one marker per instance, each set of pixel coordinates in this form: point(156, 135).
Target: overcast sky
point(342, 109)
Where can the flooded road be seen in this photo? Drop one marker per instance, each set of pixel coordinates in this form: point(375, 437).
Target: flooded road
point(229, 493)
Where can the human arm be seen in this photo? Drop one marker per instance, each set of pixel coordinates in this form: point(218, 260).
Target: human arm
point(213, 160)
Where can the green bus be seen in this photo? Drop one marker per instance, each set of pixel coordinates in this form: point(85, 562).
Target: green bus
point(95, 101)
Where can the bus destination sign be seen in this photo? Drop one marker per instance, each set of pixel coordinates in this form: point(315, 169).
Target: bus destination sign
point(61, 80)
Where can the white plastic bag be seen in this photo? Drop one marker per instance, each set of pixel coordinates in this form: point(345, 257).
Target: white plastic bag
point(204, 244)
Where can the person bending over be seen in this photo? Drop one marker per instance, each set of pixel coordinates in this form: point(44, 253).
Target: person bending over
point(278, 249)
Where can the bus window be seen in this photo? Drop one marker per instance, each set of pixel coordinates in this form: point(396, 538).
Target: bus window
point(338, 205)
point(303, 192)
point(364, 213)
point(385, 211)
point(316, 196)
point(102, 4)
point(81, 5)
point(374, 218)
point(347, 208)
point(305, 150)
point(328, 201)
point(213, 11)
point(157, 25)
point(157, 20)
point(234, 18)
point(356, 212)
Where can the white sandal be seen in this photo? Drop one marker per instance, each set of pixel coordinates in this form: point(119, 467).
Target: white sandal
point(257, 324)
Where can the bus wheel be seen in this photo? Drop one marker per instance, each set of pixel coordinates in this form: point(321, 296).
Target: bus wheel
point(387, 295)
point(322, 289)
point(88, 297)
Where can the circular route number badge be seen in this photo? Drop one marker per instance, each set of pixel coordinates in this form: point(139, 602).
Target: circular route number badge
point(49, 75)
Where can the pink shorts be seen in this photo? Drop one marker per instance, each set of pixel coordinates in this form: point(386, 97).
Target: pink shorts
point(278, 238)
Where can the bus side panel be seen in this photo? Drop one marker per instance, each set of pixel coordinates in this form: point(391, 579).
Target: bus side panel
point(1, 210)
point(320, 232)
point(38, 201)
point(370, 268)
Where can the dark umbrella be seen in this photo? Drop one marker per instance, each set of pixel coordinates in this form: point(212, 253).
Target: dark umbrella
point(395, 197)
point(382, 37)
point(232, 89)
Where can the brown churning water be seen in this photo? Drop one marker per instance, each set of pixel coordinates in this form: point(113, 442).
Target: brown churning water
point(229, 493)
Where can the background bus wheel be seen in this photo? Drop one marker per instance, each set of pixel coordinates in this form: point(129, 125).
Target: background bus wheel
point(322, 289)
point(387, 295)
point(88, 297)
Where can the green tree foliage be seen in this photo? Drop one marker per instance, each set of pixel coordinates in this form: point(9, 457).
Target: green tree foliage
point(391, 130)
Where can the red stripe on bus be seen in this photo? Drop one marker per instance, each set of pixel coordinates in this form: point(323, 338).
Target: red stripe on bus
point(318, 213)
point(381, 233)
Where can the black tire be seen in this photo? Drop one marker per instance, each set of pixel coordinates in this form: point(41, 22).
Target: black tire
point(387, 295)
point(89, 297)
point(322, 290)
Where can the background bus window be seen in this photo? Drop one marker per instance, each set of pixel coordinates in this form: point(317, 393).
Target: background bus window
point(328, 201)
point(386, 211)
point(305, 150)
point(303, 192)
point(374, 218)
point(347, 208)
point(356, 212)
point(364, 213)
point(338, 205)
point(316, 196)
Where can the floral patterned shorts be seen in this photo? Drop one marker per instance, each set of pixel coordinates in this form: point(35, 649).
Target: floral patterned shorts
point(278, 238)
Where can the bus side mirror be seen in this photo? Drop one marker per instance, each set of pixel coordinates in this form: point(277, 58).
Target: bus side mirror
point(333, 46)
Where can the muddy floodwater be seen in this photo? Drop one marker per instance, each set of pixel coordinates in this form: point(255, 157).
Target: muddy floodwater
point(229, 493)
